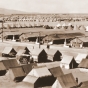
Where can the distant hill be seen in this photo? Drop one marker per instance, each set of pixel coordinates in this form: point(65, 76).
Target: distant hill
point(9, 11)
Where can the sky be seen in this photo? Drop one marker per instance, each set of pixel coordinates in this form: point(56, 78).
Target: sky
point(47, 6)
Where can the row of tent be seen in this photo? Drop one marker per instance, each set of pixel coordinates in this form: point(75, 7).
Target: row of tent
point(25, 55)
point(38, 76)
point(75, 27)
point(18, 25)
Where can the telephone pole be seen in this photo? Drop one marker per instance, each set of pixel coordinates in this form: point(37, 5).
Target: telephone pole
point(39, 39)
point(2, 30)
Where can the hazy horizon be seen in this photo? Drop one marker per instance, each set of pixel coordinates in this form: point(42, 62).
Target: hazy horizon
point(46, 6)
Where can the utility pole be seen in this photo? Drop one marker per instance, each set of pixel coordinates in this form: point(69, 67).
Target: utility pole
point(2, 30)
point(39, 39)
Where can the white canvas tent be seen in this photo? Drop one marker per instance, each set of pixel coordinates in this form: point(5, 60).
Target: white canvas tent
point(87, 28)
point(80, 57)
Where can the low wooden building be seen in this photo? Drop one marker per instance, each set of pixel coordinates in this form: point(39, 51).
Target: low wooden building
point(22, 57)
point(60, 38)
point(53, 55)
point(2, 69)
point(83, 66)
point(39, 56)
point(31, 80)
point(65, 81)
point(84, 84)
point(9, 52)
point(10, 63)
point(11, 35)
point(44, 77)
point(28, 67)
point(79, 42)
point(80, 57)
point(68, 62)
point(31, 36)
point(16, 74)
point(17, 48)
point(56, 71)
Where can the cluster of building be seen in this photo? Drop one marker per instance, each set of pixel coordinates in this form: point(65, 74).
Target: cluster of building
point(45, 17)
point(30, 65)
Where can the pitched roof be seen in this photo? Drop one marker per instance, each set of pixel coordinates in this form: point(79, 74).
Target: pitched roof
point(28, 67)
point(2, 66)
point(17, 48)
point(67, 59)
point(80, 56)
point(84, 86)
point(67, 81)
point(18, 71)
point(23, 85)
point(40, 72)
point(1, 48)
point(3, 58)
point(30, 48)
point(57, 71)
point(49, 65)
point(51, 51)
point(20, 52)
point(83, 39)
point(30, 79)
point(7, 50)
point(34, 52)
point(10, 63)
point(85, 83)
point(83, 63)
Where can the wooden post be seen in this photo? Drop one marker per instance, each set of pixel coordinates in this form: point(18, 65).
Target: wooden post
point(39, 39)
point(2, 30)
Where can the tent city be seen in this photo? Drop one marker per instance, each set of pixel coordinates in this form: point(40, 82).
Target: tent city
point(43, 44)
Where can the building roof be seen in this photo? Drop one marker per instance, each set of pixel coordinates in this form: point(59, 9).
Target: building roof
point(57, 71)
point(40, 72)
point(10, 63)
point(83, 63)
point(1, 48)
point(80, 56)
point(30, 48)
point(23, 85)
point(7, 50)
point(85, 83)
point(84, 87)
point(18, 71)
point(49, 65)
point(67, 81)
point(17, 48)
point(83, 39)
point(28, 67)
point(3, 58)
point(30, 79)
point(34, 52)
point(2, 66)
point(67, 59)
point(60, 36)
point(20, 52)
point(11, 33)
point(51, 51)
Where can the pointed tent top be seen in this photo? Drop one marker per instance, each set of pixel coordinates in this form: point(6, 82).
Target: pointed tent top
point(82, 28)
point(76, 27)
point(69, 28)
point(58, 25)
point(69, 24)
